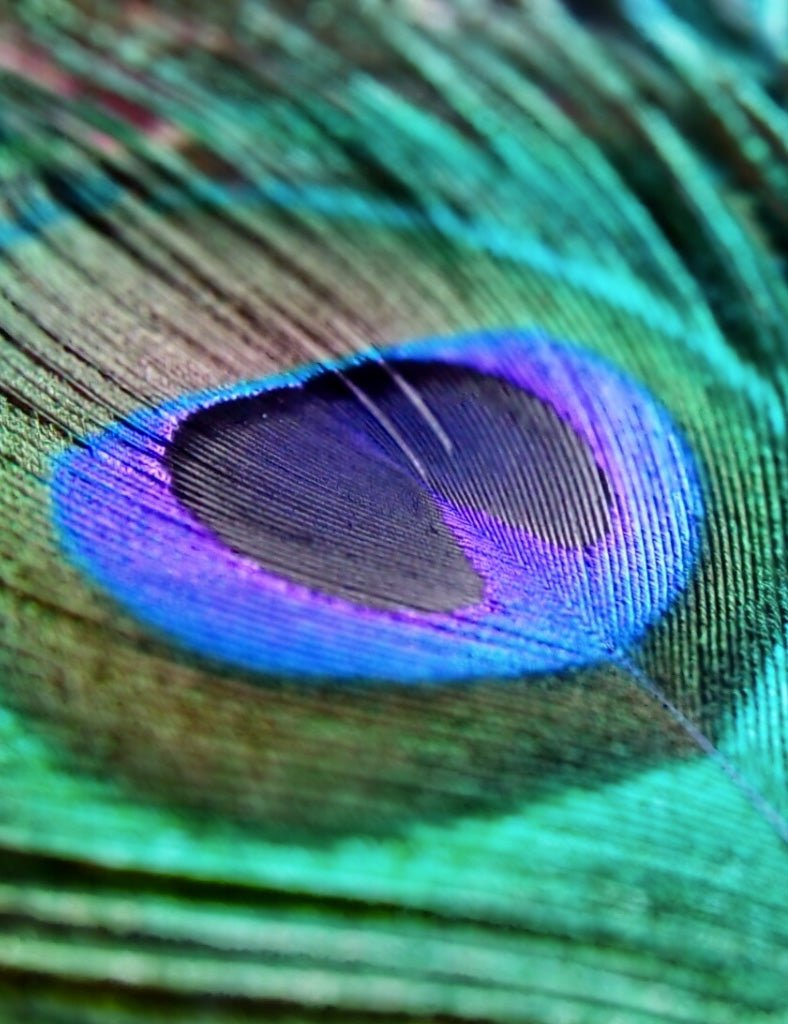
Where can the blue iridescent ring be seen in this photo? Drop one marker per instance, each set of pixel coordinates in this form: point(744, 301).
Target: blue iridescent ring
point(544, 607)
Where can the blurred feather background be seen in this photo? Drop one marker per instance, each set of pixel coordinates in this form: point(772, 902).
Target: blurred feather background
point(197, 195)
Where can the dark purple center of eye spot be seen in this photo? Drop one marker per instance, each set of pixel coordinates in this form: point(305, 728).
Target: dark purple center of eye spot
point(313, 484)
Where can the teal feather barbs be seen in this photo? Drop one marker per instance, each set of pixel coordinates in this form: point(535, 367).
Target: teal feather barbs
point(193, 201)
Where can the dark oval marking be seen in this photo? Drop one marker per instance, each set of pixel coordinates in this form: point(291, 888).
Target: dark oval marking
point(307, 481)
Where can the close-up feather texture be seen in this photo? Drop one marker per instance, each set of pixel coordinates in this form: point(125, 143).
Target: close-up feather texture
point(394, 487)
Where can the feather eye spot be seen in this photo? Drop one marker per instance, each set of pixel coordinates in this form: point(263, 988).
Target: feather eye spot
point(488, 504)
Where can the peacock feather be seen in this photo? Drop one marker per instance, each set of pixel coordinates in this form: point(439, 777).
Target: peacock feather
point(394, 495)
